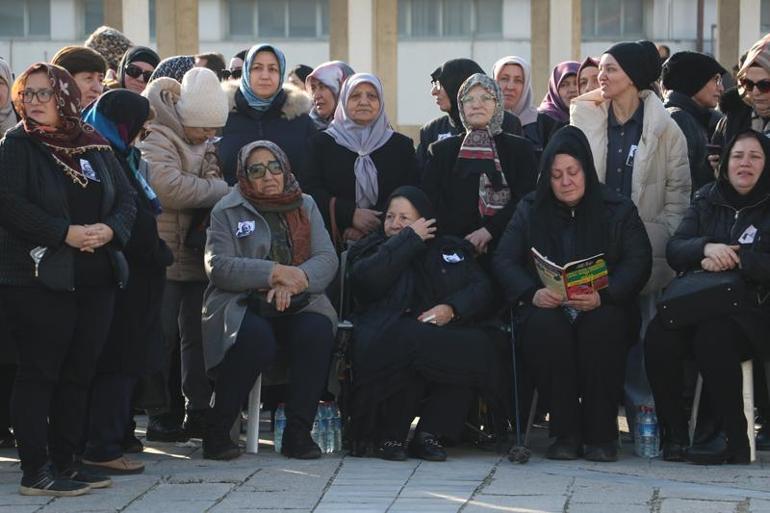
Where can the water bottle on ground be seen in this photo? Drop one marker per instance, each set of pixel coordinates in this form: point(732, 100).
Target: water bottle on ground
point(646, 437)
point(337, 429)
point(280, 425)
point(327, 420)
point(317, 432)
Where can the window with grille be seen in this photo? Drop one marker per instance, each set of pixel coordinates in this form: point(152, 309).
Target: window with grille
point(612, 19)
point(25, 19)
point(278, 18)
point(450, 18)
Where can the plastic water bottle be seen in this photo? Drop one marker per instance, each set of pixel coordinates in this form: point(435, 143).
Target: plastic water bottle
point(337, 429)
point(327, 421)
point(647, 438)
point(317, 432)
point(280, 425)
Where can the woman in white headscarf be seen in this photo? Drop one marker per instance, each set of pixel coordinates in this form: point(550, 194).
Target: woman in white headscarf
point(356, 163)
point(7, 115)
point(514, 76)
point(324, 85)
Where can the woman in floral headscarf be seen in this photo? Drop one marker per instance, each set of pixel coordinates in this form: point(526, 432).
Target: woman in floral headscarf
point(66, 210)
point(476, 179)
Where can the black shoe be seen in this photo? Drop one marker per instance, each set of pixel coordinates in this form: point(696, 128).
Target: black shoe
point(195, 423)
point(604, 453)
point(159, 431)
point(297, 443)
point(92, 478)
point(45, 483)
point(391, 450)
point(131, 444)
point(673, 451)
point(719, 451)
point(763, 437)
point(7, 440)
point(426, 447)
point(217, 444)
point(565, 447)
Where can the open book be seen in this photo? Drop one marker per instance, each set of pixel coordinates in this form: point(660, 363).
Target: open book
point(574, 278)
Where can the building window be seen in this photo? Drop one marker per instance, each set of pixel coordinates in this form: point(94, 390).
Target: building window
point(25, 18)
point(764, 16)
point(93, 16)
point(450, 18)
point(612, 19)
point(278, 18)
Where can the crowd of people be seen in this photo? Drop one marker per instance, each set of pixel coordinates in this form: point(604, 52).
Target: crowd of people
point(170, 229)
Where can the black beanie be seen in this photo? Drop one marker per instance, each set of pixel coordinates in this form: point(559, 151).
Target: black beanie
point(639, 59)
point(688, 72)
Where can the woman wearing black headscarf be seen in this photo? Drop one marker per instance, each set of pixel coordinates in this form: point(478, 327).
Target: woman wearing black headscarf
point(136, 67)
point(575, 349)
point(445, 84)
point(725, 228)
point(418, 295)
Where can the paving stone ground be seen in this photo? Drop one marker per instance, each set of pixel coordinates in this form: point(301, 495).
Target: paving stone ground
point(178, 480)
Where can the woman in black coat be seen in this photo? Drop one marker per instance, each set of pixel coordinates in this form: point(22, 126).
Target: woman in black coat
point(575, 349)
point(727, 228)
point(66, 211)
point(418, 295)
point(134, 346)
point(476, 179)
point(356, 163)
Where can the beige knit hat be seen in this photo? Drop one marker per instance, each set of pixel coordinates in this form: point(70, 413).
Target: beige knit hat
point(202, 102)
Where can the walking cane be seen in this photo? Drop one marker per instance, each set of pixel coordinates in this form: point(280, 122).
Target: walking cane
point(519, 452)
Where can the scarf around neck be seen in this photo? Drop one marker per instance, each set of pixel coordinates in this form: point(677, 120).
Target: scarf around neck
point(254, 101)
point(525, 108)
point(361, 139)
point(288, 203)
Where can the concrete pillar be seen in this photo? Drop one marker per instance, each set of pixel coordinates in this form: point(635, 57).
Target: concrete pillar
point(176, 23)
point(386, 52)
point(132, 17)
point(361, 35)
point(338, 38)
point(66, 25)
point(737, 29)
point(556, 37)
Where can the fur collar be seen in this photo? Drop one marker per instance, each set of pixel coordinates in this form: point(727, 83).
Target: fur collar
point(297, 103)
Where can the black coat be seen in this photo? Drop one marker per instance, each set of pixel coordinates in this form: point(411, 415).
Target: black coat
point(286, 123)
point(329, 174)
point(539, 132)
point(34, 210)
point(135, 342)
point(695, 124)
point(456, 197)
point(628, 254)
point(711, 219)
point(443, 127)
point(737, 118)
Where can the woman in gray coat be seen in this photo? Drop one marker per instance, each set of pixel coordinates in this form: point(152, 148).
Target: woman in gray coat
point(269, 259)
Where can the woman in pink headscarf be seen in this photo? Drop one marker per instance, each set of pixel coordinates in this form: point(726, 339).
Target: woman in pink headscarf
point(562, 88)
point(324, 85)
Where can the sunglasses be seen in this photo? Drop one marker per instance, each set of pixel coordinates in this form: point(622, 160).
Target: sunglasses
point(42, 95)
point(762, 85)
point(258, 171)
point(226, 74)
point(134, 71)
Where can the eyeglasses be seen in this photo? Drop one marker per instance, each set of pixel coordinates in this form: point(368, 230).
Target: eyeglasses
point(484, 98)
point(42, 95)
point(226, 74)
point(259, 170)
point(134, 71)
point(762, 85)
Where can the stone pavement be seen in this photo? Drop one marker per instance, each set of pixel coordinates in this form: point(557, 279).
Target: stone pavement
point(178, 480)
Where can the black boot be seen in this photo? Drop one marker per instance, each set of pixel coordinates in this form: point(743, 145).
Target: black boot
point(217, 444)
point(719, 450)
point(161, 429)
point(297, 443)
point(566, 447)
point(195, 423)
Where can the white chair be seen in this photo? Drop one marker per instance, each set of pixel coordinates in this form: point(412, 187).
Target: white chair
point(747, 369)
point(252, 427)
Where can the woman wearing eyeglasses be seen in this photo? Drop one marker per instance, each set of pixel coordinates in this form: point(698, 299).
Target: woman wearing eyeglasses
point(269, 259)
point(476, 179)
point(694, 86)
point(66, 212)
point(136, 67)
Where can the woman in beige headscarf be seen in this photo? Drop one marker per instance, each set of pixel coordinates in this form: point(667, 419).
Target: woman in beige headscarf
point(7, 115)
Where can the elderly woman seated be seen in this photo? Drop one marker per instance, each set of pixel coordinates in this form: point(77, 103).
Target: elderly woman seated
point(417, 294)
point(725, 230)
point(269, 259)
point(576, 348)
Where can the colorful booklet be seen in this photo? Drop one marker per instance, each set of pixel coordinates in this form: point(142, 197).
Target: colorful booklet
point(574, 278)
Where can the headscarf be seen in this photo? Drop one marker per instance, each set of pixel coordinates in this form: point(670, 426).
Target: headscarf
point(589, 62)
point(174, 67)
point(119, 116)
point(288, 203)
point(451, 75)
point(362, 140)
point(761, 188)
point(72, 138)
point(254, 101)
point(7, 116)
point(136, 54)
point(417, 198)
point(331, 74)
point(552, 104)
point(544, 226)
point(111, 43)
point(478, 152)
point(758, 55)
point(525, 108)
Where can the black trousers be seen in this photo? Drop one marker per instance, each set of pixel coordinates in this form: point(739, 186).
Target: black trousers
point(109, 415)
point(578, 368)
point(310, 341)
point(719, 347)
point(59, 336)
point(7, 377)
